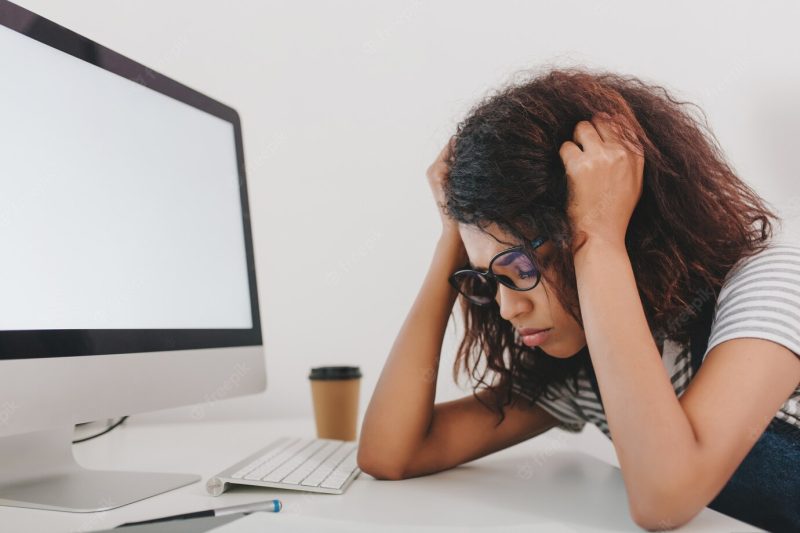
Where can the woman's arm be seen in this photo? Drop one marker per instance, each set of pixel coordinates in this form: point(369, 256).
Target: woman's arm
point(464, 430)
point(400, 411)
point(404, 434)
point(675, 455)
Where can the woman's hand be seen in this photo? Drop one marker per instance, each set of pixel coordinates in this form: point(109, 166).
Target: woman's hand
point(437, 174)
point(604, 179)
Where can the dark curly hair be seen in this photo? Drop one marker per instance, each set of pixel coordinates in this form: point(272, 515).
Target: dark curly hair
point(696, 218)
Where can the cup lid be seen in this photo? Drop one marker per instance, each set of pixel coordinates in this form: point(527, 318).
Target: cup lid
point(335, 372)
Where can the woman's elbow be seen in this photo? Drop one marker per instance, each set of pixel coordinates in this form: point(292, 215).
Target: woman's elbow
point(663, 512)
point(378, 470)
point(653, 523)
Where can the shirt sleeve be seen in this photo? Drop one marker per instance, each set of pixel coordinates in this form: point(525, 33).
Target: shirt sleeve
point(761, 299)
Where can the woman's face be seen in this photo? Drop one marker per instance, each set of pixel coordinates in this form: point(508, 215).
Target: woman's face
point(535, 308)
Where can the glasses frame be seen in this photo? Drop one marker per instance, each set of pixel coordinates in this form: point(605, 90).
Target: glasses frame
point(489, 276)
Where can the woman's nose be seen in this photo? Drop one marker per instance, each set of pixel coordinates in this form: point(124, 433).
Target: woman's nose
point(512, 303)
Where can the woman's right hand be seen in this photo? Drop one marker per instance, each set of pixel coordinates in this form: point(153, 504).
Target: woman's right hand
point(437, 174)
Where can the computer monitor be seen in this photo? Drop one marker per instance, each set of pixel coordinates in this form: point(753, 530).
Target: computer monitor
point(127, 282)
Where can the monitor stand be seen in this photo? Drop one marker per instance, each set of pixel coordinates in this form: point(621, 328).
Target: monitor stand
point(38, 470)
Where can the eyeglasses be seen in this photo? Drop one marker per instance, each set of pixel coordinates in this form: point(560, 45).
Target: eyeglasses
point(512, 267)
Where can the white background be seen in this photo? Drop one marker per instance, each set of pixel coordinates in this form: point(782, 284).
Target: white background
point(344, 105)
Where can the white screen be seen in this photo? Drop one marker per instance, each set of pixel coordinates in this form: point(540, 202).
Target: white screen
point(119, 206)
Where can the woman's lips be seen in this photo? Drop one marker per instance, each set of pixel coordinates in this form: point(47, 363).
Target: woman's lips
point(530, 331)
point(535, 339)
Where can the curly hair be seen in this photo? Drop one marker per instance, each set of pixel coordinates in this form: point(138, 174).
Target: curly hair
point(696, 218)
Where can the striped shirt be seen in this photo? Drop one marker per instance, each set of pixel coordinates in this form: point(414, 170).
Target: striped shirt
point(760, 298)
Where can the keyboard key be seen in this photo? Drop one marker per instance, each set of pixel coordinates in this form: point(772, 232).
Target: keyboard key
point(312, 463)
point(319, 475)
point(283, 443)
point(286, 468)
point(259, 473)
point(337, 478)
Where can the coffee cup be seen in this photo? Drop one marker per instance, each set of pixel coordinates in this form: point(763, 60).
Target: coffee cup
point(335, 394)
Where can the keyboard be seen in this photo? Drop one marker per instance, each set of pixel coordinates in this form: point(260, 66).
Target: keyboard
point(314, 465)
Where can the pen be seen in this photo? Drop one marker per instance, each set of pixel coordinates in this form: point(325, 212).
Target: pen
point(247, 508)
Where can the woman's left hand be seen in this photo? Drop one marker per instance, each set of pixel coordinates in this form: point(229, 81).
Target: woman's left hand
point(604, 179)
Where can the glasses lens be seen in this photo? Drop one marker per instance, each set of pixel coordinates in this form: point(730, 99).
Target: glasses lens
point(515, 268)
point(478, 289)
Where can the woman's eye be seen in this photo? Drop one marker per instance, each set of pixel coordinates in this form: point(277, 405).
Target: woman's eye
point(526, 275)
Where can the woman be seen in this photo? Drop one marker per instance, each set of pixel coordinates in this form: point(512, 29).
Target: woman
point(609, 222)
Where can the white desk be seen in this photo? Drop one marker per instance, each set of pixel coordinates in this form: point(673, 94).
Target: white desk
point(549, 478)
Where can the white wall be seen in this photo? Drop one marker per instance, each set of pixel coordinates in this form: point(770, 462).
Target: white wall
point(344, 104)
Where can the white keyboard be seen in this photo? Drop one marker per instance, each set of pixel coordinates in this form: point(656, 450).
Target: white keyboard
point(313, 465)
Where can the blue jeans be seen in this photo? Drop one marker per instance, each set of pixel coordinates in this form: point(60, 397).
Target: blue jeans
point(765, 489)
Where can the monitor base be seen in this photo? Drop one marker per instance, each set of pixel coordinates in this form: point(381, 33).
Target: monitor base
point(39, 471)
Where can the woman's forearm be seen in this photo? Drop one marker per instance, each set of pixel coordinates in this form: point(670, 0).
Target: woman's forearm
point(401, 408)
point(652, 435)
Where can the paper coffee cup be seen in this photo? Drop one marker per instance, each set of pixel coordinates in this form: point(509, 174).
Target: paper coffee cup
point(335, 391)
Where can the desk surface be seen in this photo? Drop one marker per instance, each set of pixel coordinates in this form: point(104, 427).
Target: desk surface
point(554, 477)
